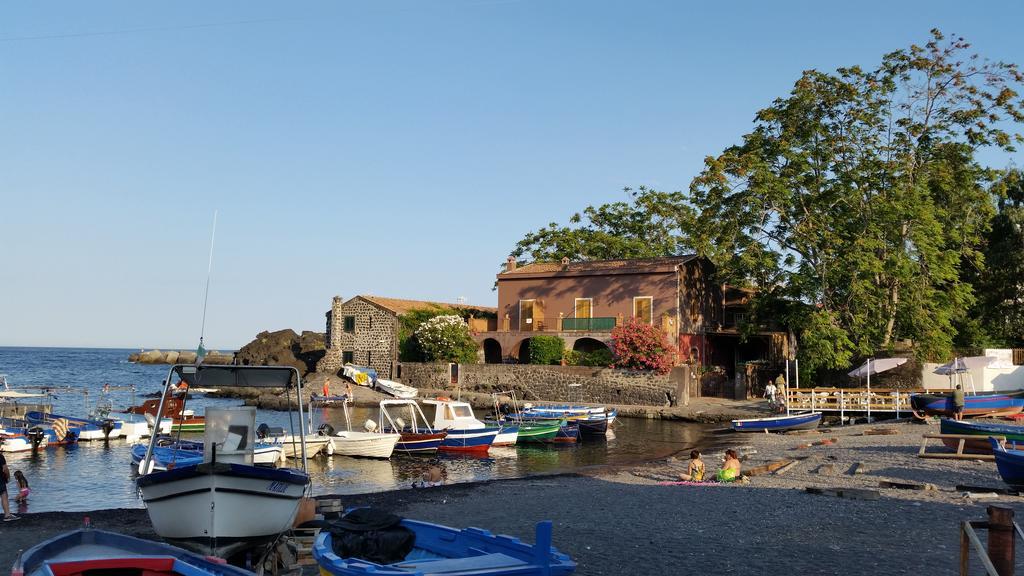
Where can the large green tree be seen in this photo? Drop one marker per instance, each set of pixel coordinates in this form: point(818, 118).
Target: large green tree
point(859, 195)
point(998, 316)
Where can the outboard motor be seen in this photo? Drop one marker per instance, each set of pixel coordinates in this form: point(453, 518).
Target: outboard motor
point(400, 423)
point(370, 426)
point(262, 431)
point(325, 429)
point(107, 427)
point(35, 435)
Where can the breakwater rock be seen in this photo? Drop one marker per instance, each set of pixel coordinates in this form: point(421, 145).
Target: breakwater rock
point(179, 357)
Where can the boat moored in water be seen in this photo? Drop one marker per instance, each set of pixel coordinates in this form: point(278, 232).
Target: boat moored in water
point(417, 437)
point(465, 432)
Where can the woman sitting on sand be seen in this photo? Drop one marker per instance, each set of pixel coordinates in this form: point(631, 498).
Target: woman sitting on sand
point(695, 472)
point(730, 467)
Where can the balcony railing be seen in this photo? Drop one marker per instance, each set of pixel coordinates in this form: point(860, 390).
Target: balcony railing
point(588, 324)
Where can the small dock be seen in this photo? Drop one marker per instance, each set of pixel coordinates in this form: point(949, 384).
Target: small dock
point(853, 400)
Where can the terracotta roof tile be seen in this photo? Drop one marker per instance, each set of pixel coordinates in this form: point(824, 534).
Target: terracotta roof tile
point(400, 306)
point(595, 266)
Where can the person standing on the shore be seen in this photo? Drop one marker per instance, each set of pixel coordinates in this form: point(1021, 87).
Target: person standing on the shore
point(5, 475)
point(770, 391)
point(958, 403)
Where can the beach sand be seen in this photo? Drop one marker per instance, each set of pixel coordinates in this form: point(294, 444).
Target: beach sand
point(621, 521)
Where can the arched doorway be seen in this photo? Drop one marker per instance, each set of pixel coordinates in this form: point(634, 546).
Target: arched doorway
point(521, 351)
point(492, 351)
point(588, 345)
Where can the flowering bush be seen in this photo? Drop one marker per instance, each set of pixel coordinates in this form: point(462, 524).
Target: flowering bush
point(446, 339)
point(641, 346)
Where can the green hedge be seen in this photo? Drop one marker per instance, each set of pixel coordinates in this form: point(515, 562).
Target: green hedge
point(546, 350)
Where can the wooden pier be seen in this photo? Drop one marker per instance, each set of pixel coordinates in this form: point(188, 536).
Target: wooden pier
point(855, 400)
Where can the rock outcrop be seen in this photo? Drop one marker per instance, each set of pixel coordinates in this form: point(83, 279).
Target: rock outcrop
point(283, 348)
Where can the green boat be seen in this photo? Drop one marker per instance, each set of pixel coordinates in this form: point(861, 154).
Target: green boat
point(541, 431)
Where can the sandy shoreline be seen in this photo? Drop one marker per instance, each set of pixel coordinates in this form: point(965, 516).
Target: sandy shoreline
point(616, 521)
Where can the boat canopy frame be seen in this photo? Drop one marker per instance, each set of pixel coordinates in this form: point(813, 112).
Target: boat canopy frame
point(415, 409)
point(231, 376)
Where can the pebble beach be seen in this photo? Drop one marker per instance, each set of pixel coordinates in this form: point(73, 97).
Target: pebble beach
point(618, 520)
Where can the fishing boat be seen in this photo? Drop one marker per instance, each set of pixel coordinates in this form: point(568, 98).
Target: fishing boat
point(21, 440)
point(1010, 463)
point(984, 404)
point(417, 437)
point(543, 431)
point(368, 443)
point(226, 506)
point(396, 389)
point(807, 421)
point(88, 552)
point(316, 443)
point(105, 429)
point(568, 433)
point(171, 452)
point(454, 552)
point(182, 420)
point(1014, 434)
point(532, 430)
point(465, 433)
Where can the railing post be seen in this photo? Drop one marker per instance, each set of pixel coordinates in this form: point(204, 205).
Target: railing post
point(842, 408)
point(813, 395)
point(561, 315)
point(1001, 539)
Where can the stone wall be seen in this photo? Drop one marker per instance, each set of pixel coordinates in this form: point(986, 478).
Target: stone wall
point(372, 343)
point(551, 383)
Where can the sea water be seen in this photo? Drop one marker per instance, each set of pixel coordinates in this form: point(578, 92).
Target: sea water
point(95, 475)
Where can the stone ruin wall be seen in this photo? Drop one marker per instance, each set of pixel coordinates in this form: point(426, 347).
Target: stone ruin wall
point(551, 383)
point(331, 362)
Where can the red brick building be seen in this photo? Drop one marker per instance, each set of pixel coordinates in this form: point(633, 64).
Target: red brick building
point(582, 302)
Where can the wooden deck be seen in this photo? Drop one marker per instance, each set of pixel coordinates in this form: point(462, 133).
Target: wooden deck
point(856, 400)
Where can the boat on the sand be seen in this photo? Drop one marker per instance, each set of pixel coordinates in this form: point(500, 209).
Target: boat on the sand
point(1014, 434)
point(807, 421)
point(984, 404)
point(452, 552)
point(396, 389)
point(225, 505)
point(1010, 463)
point(88, 552)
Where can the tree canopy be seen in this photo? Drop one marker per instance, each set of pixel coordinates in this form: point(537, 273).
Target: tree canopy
point(856, 207)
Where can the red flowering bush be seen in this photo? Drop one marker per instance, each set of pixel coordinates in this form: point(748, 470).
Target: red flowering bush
point(641, 346)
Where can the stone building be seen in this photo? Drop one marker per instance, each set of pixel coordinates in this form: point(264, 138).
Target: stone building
point(364, 331)
point(582, 302)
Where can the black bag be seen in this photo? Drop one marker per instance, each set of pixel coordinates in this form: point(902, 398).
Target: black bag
point(373, 535)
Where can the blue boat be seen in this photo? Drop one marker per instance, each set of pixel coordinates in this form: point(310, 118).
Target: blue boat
point(1010, 464)
point(454, 552)
point(469, 440)
point(165, 458)
point(939, 404)
point(86, 551)
point(778, 423)
point(88, 429)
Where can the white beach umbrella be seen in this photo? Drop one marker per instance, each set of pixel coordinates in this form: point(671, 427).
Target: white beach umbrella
point(874, 367)
point(960, 365)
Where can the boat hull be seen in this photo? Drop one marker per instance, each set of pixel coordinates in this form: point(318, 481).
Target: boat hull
point(778, 423)
point(507, 437)
point(538, 432)
point(222, 509)
point(454, 552)
point(396, 389)
point(934, 404)
point(470, 440)
point(1010, 464)
point(420, 443)
point(1014, 435)
point(100, 552)
point(365, 444)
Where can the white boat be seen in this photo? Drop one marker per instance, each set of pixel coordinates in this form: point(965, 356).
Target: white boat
point(465, 432)
point(396, 389)
point(226, 506)
point(370, 443)
point(316, 444)
point(11, 441)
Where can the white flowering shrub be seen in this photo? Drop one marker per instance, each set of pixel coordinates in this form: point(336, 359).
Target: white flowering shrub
point(446, 339)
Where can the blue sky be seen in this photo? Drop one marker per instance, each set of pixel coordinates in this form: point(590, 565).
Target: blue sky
point(389, 147)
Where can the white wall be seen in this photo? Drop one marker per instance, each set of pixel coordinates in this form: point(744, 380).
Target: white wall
point(984, 379)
